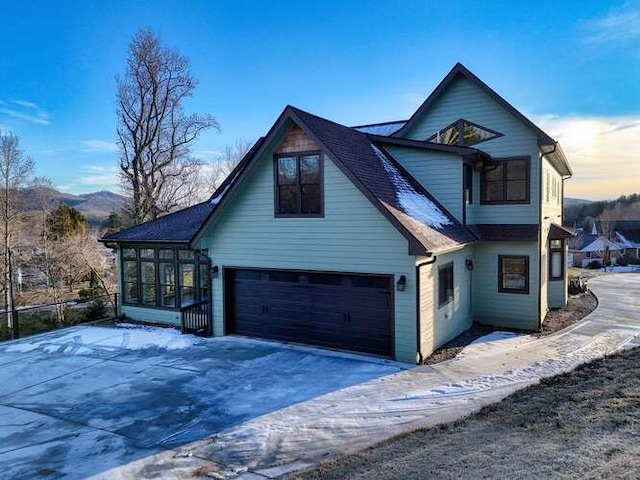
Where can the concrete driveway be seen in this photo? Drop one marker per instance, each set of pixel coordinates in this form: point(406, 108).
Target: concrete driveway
point(83, 401)
point(134, 404)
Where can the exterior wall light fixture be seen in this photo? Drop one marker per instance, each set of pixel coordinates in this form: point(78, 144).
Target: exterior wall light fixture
point(401, 284)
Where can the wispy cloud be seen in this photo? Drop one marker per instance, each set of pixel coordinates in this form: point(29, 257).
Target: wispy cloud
point(24, 110)
point(603, 152)
point(92, 146)
point(620, 26)
point(92, 178)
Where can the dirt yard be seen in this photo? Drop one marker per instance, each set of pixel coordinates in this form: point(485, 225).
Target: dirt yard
point(584, 424)
point(578, 307)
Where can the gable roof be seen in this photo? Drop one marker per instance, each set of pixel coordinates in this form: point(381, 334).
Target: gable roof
point(425, 223)
point(548, 145)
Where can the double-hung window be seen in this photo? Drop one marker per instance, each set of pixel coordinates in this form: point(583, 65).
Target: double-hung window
point(513, 274)
point(298, 182)
point(506, 181)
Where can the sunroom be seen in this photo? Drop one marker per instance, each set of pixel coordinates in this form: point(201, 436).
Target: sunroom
point(161, 279)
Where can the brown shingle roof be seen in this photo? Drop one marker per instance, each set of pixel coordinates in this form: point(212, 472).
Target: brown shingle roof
point(506, 232)
point(387, 184)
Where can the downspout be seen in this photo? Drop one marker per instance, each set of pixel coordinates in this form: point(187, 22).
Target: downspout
point(419, 356)
point(542, 155)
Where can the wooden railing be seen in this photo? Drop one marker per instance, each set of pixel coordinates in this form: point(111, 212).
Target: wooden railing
point(196, 319)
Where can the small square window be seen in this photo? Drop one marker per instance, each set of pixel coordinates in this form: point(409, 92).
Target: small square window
point(555, 244)
point(505, 181)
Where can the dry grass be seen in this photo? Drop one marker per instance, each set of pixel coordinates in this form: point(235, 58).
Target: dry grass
point(583, 424)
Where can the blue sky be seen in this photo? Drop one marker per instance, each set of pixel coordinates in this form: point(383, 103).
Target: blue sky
point(573, 67)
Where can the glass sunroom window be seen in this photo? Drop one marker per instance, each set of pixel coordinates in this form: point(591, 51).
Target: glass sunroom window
point(164, 277)
point(168, 284)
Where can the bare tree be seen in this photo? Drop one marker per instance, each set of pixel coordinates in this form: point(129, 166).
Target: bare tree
point(15, 168)
point(607, 224)
point(224, 163)
point(154, 133)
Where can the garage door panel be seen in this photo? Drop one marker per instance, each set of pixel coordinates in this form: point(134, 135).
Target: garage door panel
point(344, 311)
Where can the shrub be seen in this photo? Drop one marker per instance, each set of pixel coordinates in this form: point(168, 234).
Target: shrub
point(96, 309)
point(623, 262)
point(594, 264)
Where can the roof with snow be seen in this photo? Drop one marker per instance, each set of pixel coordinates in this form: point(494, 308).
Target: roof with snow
point(427, 225)
point(391, 189)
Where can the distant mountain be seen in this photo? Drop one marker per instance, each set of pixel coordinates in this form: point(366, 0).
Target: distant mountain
point(570, 202)
point(582, 213)
point(95, 207)
point(99, 205)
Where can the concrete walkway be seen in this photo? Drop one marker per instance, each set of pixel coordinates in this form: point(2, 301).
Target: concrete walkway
point(359, 416)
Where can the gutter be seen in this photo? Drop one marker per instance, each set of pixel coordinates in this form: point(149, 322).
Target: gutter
point(419, 355)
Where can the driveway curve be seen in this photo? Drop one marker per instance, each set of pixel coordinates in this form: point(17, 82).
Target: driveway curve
point(354, 418)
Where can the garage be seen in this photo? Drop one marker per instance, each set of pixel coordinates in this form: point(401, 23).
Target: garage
point(337, 310)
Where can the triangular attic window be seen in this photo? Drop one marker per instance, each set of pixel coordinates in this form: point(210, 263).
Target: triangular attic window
point(473, 133)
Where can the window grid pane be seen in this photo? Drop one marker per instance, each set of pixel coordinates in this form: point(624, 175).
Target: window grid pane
point(299, 185)
point(287, 171)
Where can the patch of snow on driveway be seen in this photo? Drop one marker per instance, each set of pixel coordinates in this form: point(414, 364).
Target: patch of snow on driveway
point(85, 339)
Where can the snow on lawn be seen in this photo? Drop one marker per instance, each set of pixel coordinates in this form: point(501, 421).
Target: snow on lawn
point(85, 339)
point(626, 269)
point(414, 204)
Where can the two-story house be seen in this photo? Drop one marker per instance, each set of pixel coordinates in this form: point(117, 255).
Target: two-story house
point(386, 239)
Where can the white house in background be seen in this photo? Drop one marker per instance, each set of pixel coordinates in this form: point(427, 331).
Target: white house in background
point(386, 239)
point(595, 246)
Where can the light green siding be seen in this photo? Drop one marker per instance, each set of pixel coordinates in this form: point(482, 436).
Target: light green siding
point(439, 173)
point(557, 293)
point(439, 325)
point(492, 307)
point(553, 293)
point(353, 236)
point(465, 100)
point(152, 315)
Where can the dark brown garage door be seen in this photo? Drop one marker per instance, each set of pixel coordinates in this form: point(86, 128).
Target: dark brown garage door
point(349, 312)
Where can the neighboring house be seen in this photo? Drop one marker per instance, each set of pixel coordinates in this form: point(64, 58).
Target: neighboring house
point(386, 239)
point(585, 248)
